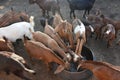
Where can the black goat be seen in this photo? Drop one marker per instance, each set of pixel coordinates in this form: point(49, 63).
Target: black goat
point(43, 20)
point(80, 5)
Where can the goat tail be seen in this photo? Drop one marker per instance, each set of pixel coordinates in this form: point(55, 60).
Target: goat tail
point(31, 19)
point(46, 22)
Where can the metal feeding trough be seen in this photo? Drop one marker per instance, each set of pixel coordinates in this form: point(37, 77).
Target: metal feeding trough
point(82, 74)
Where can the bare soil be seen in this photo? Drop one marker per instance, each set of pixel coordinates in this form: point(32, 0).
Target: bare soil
point(110, 8)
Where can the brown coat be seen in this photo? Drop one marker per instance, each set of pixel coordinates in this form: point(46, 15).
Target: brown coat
point(6, 45)
point(11, 17)
point(12, 63)
point(50, 31)
point(102, 70)
point(41, 52)
point(49, 42)
point(65, 31)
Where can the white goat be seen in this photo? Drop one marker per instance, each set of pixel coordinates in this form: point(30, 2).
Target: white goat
point(18, 30)
point(79, 31)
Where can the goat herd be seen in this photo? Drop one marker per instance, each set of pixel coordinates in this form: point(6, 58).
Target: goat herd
point(60, 42)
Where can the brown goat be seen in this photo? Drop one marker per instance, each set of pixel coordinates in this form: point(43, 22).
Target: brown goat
point(12, 63)
point(102, 70)
point(65, 31)
point(97, 24)
point(50, 31)
point(47, 5)
point(41, 52)
point(6, 45)
point(103, 20)
point(115, 23)
point(50, 43)
point(11, 17)
point(109, 34)
point(57, 20)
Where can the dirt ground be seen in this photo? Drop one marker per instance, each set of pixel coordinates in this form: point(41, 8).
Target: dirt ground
point(110, 8)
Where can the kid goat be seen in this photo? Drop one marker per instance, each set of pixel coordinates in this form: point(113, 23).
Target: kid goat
point(17, 30)
point(102, 70)
point(79, 31)
point(50, 43)
point(41, 52)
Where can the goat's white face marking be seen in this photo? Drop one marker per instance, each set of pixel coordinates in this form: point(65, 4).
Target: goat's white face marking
point(91, 28)
point(80, 28)
point(108, 31)
point(76, 57)
point(109, 28)
point(68, 56)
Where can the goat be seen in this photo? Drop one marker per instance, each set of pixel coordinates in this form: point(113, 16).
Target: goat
point(80, 35)
point(89, 31)
point(94, 19)
point(102, 70)
point(57, 20)
point(6, 45)
point(80, 5)
point(10, 62)
point(97, 24)
point(11, 17)
point(50, 21)
point(115, 23)
point(64, 29)
point(17, 30)
point(109, 34)
point(47, 5)
point(50, 31)
point(50, 43)
point(88, 27)
point(41, 52)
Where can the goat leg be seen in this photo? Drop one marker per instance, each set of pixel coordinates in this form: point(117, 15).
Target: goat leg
point(77, 46)
point(80, 47)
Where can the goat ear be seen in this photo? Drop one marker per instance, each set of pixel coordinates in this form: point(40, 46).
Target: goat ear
point(6, 40)
point(22, 19)
point(102, 16)
point(25, 38)
point(9, 44)
point(59, 69)
point(56, 30)
point(98, 12)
